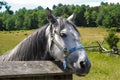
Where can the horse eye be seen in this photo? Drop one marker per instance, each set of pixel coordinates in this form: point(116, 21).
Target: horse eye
point(63, 35)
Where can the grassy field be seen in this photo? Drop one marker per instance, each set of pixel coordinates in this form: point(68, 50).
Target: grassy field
point(8, 39)
point(104, 66)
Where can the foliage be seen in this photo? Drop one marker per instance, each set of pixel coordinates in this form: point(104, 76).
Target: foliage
point(107, 15)
point(112, 39)
point(3, 3)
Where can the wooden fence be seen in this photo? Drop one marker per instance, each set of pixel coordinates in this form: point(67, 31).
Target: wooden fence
point(99, 47)
point(32, 70)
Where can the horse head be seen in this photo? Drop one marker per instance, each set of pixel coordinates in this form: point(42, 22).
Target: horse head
point(64, 44)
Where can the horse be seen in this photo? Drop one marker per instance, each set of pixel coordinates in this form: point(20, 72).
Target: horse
point(57, 40)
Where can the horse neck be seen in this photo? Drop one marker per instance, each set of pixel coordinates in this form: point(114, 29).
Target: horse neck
point(34, 47)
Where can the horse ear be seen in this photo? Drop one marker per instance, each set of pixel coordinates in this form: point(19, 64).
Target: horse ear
point(71, 18)
point(50, 16)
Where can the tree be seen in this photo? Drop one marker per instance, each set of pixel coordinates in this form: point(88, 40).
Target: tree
point(3, 3)
point(42, 19)
point(80, 19)
point(10, 23)
point(39, 8)
point(107, 15)
point(34, 20)
point(107, 21)
point(87, 17)
point(1, 24)
point(20, 18)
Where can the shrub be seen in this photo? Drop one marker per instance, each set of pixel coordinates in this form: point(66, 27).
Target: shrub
point(112, 39)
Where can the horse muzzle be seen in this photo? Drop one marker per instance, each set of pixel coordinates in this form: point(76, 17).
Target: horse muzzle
point(79, 62)
point(83, 69)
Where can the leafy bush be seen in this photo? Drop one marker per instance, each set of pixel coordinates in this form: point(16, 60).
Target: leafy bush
point(112, 39)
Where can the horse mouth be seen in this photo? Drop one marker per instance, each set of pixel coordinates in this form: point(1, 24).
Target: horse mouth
point(83, 71)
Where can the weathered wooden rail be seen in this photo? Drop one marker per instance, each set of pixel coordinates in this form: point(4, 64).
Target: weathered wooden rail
point(32, 70)
point(100, 47)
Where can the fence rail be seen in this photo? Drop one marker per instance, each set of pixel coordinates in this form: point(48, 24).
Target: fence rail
point(99, 47)
point(32, 70)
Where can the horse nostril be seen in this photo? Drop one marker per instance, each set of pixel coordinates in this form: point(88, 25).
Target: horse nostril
point(82, 64)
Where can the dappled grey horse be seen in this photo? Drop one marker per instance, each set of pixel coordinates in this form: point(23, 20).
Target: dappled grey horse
point(57, 40)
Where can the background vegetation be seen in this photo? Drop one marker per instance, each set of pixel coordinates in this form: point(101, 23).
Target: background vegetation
point(107, 15)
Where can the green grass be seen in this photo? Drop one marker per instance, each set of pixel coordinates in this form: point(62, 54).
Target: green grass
point(9, 39)
point(104, 66)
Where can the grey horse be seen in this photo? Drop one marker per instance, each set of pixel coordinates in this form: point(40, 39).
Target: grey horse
point(57, 40)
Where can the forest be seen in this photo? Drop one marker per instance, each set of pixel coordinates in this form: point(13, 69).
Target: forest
point(105, 15)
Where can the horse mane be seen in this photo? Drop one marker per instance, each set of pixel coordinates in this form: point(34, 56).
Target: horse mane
point(31, 48)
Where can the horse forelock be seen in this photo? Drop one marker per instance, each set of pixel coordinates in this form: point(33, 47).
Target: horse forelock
point(63, 21)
